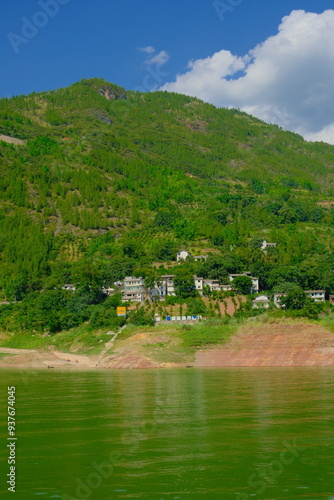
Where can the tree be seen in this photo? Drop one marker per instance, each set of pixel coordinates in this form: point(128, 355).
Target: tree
point(165, 218)
point(42, 145)
point(283, 274)
point(257, 185)
point(184, 283)
point(256, 242)
point(132, 249)
point(184, 229)
point(284, 287)
point(16, 287)
point(140, 317)
point(312, 309)
point(151, 278)
point(262, 270)
point(214, 268)
point(196, 306)
point(243, 284)
point(295, 299)
point(164, 249)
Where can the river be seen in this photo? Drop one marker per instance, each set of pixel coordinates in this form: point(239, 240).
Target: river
point(233, 434)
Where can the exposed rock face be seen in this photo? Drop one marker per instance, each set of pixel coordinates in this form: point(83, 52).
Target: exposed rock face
point(102, 116)
point(110, 94)
point(109, 91)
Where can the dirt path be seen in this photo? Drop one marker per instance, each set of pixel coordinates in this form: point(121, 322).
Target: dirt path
point(31, 358)
point(273, 345)
point(79, 359)
point(11, 140)
point(10, 350)
point(129, 354)
point(108, 345)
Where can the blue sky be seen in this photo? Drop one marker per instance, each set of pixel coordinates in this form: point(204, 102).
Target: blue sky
point(47, 44)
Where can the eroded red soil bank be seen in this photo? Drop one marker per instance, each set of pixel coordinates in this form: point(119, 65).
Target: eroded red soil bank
point(273, 345)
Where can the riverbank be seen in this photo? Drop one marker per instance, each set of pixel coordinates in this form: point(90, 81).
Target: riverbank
point(298, 344)
point(255, 343)
point(37, 359)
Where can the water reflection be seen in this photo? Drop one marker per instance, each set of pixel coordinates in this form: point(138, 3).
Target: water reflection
point(188, 434)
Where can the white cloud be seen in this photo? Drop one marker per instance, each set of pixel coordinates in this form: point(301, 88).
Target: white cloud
point(159, 59)
point(148, 50)
point(288, 79)
point(326, 134)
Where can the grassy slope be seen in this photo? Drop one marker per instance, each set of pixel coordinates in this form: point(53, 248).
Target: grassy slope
point(84, 340)
point(122, 146)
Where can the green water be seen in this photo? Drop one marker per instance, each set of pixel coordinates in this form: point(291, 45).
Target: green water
point(171, 434)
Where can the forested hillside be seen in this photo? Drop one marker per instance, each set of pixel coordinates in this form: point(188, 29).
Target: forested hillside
point(107, 181)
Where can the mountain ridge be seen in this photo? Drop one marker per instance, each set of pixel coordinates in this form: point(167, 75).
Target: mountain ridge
point(109, 181)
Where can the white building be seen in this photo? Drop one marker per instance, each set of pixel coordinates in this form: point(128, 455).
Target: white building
point(278, 298)
point(262, 301)
point(70, 287)
point(213, 284)
point(168, 284)
point(227, 288)
point(199, 284)
point(316, 295)
point(265, 244)
point(182, 255)
point(133, 289)
point(200, 257)
point(158, 291)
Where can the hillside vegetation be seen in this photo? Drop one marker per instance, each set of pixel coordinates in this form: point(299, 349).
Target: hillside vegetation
point(107, 181)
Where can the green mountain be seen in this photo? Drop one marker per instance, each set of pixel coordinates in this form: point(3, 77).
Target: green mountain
point(102, 182)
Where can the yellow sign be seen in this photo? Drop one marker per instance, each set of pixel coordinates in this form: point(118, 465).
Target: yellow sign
point(121, 311)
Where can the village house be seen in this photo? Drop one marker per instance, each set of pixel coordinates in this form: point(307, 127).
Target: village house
point(278, 298)
point(213, 284)
point(262, 301)
point(158, 291)
point(331, 299)
point(200, 257)
point(168, 284)
point(70, 287)
point(226, 288)
point(265, 244)
point(133, 289)
point(199, 284)
point(182, 255)
point(316, 295)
